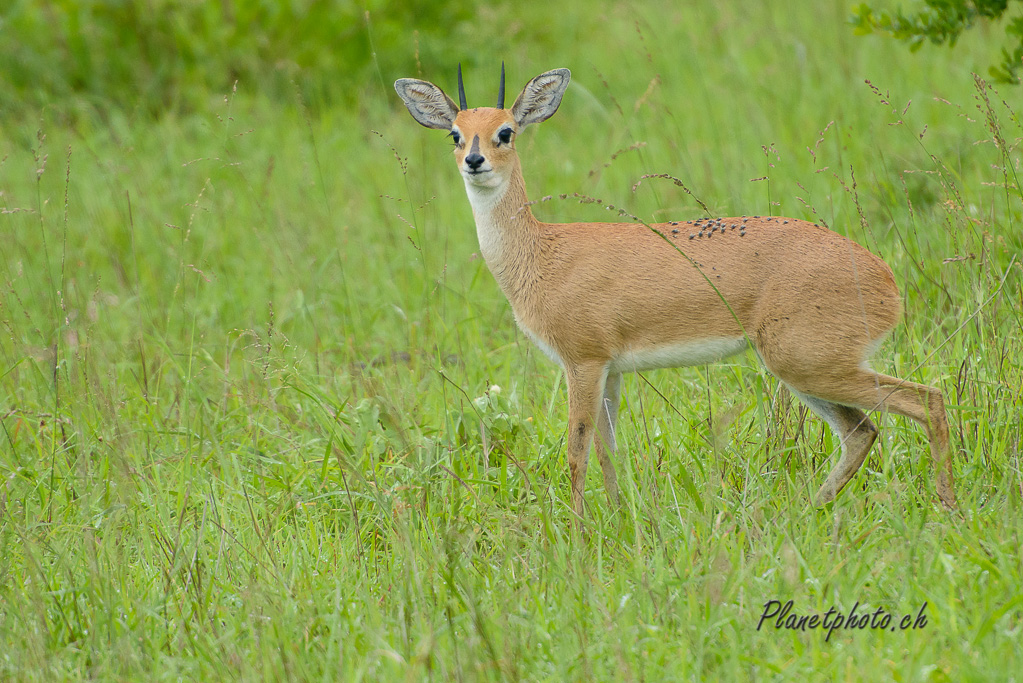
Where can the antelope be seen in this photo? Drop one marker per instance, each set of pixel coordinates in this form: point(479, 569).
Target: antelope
point(603, 299)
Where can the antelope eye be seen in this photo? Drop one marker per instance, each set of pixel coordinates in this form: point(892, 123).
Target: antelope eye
point(505, 135)
point(456, 136)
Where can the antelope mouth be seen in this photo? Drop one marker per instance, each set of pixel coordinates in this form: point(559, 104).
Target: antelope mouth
point(480, 177)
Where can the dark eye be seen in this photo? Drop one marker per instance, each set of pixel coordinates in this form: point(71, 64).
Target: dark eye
point(505, 135)
point(456, 136)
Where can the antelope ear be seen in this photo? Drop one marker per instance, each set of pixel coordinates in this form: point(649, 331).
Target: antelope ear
point(427, 103)
point(541, 97)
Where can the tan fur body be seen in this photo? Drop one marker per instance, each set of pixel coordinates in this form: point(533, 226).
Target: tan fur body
point(563, 282)
point(606, 298)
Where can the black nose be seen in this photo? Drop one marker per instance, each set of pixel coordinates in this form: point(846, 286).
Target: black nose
point(474, 161)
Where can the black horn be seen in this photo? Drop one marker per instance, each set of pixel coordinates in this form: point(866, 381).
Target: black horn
point(461, 90)
point(500, 90)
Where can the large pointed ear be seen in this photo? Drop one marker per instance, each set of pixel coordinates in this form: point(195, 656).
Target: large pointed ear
point(427, 103)
point(541, 97)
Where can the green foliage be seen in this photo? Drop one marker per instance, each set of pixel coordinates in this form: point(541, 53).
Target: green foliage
point(170, 54)
point(943, 21)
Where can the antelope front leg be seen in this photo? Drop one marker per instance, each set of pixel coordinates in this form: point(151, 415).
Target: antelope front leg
point(607, 417)
point(585, 389)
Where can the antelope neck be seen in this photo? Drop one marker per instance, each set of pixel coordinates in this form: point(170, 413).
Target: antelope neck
point(508, 233)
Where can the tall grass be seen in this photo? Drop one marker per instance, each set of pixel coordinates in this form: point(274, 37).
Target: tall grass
point(266, 415)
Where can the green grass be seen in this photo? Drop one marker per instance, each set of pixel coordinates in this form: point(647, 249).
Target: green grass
point(247, 371)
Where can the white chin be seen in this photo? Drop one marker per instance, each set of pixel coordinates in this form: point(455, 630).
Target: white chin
point(485, 179)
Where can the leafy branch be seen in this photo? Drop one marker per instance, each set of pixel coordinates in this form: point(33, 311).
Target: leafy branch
point(943, 21)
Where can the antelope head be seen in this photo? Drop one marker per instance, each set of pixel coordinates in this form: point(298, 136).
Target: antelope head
point(484, 137)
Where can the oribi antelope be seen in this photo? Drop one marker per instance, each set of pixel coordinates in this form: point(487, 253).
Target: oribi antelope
point(602, 299)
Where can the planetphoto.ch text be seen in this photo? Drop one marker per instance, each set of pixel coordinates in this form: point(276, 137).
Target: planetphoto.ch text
point(780, 616)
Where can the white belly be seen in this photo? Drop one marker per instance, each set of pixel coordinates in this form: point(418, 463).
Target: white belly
point(684, 354)
point(678, 355)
